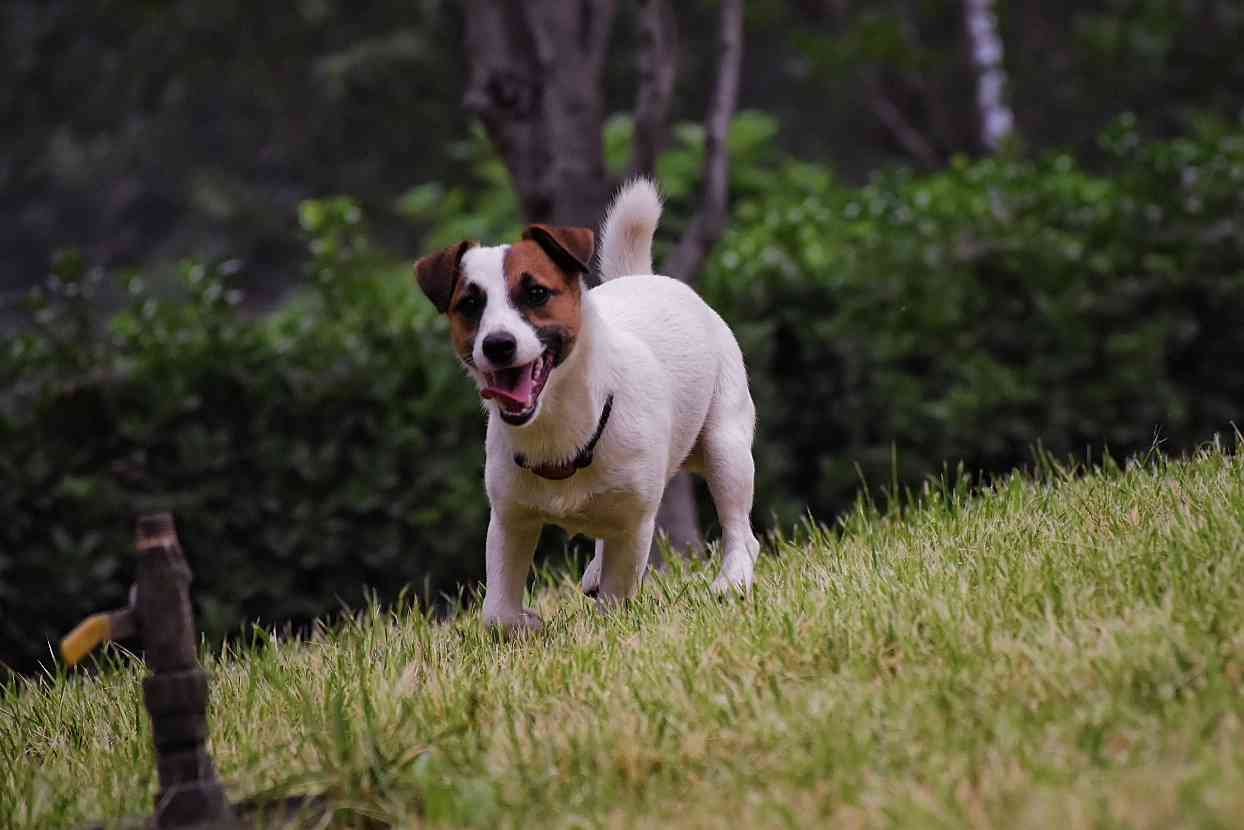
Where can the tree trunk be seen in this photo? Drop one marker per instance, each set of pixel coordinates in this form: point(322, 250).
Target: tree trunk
point(873, 79)
point(658, 67)
point(996, 119)
point(678, 517)
point(694, 247)
point(535, 83)
point(913, 142)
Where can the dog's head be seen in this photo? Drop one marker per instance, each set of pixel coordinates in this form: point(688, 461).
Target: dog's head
point(514, 310)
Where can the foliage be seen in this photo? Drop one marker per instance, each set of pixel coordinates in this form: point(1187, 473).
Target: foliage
point(333, 445)
point(484, 206)
point(307, 455)
point(1054, 652)
point(152, 131)
point(972, 312)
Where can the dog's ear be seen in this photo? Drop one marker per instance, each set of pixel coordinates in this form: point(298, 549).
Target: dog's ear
point(438, 273)
point(571, 248)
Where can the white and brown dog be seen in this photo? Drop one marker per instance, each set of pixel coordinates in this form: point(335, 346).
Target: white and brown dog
point(595, 398)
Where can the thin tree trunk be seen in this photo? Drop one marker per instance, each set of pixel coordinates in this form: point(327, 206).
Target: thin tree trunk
point(658, 67)
point(708, 225)
point(882, 103)
point(678, 520)
point(678, 517)
point(996, 119)
point(900, 127)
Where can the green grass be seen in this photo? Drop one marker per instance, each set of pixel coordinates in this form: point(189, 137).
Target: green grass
point(1062, 651)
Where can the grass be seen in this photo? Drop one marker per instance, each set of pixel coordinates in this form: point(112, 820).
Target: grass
point(1054, 651)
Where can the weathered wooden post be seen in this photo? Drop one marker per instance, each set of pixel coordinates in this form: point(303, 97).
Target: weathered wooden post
point(175, 692)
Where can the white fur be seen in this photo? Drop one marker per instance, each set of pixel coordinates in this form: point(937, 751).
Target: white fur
point(680, 400)
point(626, 235)
point(484, 267)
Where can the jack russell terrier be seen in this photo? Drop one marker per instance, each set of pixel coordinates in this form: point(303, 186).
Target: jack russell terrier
point(595, 399)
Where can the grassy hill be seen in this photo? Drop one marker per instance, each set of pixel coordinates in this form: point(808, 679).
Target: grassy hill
point(1056, 651)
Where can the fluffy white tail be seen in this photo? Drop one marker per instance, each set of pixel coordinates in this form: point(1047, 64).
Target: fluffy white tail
point(626, 234)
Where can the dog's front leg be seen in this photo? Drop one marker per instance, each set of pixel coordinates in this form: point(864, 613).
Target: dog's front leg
point(623, 560)
point(512, 541)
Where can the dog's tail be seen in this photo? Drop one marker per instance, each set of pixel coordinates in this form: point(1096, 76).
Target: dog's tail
point(626, 234)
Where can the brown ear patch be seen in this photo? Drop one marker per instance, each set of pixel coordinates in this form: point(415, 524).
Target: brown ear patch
point(438, 273)
point(557, 315)
point(570, 248)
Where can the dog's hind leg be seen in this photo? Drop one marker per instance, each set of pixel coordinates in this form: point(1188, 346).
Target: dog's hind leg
point(591, 574)
point(730, 472)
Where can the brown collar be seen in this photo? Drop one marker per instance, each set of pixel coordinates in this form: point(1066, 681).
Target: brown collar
point(557, 472)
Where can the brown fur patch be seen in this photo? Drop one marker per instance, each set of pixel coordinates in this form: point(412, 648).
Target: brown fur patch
point(557, 320)
point(438, 273)
point(571, 248)
point(439, 276)
point(463, 325)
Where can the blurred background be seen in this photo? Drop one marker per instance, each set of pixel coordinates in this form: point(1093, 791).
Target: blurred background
point(954, 237)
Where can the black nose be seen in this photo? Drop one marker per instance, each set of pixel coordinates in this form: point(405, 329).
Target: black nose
point(500, 347)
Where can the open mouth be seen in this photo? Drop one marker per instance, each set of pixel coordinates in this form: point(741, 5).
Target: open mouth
point(517, 389)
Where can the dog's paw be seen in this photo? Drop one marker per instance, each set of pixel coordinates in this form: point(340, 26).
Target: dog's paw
point(525, 622)
point(590, 584)
point(606, 604)
point(737, 571)
point(735, 579)
point(530, 621)
point(723, 586)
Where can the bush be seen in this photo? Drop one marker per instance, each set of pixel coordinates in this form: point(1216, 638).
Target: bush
point(974, 312)
point(335, 445)
point(331, 446)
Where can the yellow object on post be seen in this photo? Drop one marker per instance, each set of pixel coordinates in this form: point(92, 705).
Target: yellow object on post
point(89, 633)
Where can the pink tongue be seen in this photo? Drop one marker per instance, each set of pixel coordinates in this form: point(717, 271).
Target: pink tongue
point(518, 395)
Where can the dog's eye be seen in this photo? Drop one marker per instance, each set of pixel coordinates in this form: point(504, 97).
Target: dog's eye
point(470, 306)
point(537, 295)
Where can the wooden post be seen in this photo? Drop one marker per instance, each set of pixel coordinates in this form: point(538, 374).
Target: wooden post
point(176, 690)
point(175, 693)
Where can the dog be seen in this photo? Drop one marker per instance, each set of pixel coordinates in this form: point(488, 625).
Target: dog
point(595, 399)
